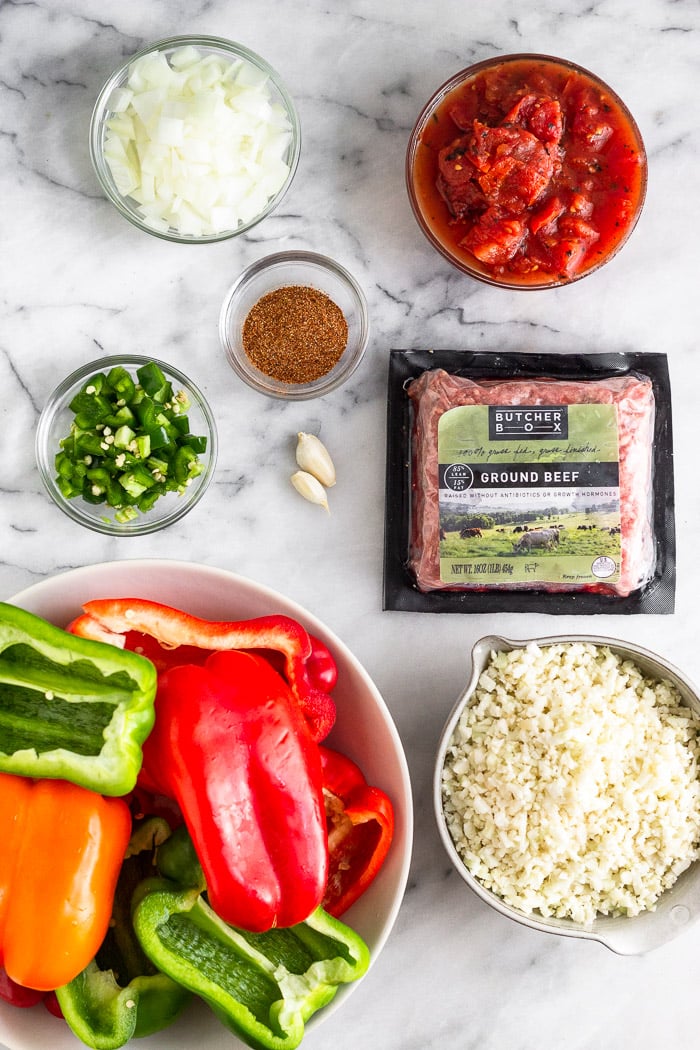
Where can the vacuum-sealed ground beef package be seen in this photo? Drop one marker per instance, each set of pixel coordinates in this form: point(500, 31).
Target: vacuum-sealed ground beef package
point(527, 481)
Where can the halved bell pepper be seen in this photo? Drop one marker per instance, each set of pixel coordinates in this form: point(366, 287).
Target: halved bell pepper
point(231, 746)
point(360, 829)
point(71, 708)
point(121, 994)
point(62, 848)
point(262, 986)
point(183, 638)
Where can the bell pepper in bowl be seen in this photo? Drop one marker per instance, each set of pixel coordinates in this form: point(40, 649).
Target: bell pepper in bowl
point(121, 994)
point(360, 829)
point(231, 746)
point(170, 637)
point(62, 848)
point(262, 986)
point(71, 708)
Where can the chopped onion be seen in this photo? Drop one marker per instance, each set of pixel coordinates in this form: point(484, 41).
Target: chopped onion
point(197, 141)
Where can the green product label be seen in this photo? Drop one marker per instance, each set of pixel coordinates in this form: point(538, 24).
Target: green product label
point(529, 494)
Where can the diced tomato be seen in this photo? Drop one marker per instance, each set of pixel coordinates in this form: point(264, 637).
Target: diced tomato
point(515, 168)
point(462, 114)
point(456, 179)
point(543, 222)
point(495, 238)
point(581, 205)
point(513, 185)
point(535, 260)
point(540, 115)
point(546, 121)
point(567, 254)
point(589, 119)
point(461, 199)
point(572, 226)
point(573, 239)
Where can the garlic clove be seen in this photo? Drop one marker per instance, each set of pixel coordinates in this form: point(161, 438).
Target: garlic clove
point(310, 488)
point(313, 457)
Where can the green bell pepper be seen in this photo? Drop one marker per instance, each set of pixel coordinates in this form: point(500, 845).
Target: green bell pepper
point(262, 986)
point(71, 708)
point(106, 1016)
point(121, 995)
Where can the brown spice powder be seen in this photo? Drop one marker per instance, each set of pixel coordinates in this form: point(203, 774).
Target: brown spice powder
point(295, 334)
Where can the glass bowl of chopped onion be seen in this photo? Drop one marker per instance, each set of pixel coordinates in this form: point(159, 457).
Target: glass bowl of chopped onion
point(294, 325)
point(195, 139)
point(566, 789)
point(126, 445)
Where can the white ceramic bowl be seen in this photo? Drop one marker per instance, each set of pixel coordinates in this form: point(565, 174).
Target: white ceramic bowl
point(364, 731)
point(677, 907)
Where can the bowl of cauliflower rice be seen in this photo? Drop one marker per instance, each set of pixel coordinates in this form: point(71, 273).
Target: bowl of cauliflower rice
point(567, 789)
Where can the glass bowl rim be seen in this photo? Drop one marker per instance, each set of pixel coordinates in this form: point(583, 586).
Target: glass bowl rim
point(317, 261)
point(57, 401)
point(463, 76)
point(100, 110)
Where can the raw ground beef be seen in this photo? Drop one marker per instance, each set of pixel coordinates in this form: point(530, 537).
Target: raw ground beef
point(436, 391)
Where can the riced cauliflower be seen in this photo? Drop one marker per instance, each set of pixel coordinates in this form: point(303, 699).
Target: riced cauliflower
point(570, 785)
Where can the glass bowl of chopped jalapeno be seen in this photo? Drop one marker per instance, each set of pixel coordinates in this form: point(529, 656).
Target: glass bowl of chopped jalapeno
point(126, 445)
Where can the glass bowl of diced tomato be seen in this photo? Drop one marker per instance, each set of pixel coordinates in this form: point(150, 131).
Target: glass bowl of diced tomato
point(526, 171)
point(126, 445)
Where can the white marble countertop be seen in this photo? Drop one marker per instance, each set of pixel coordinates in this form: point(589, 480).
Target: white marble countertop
point(79, 282)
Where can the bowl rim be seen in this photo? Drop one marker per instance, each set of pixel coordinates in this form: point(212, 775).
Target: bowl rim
point(677, 908)
point(316, 261)
point(99, 111)
point(437, 97)
point(92, 581)
point(74, 509)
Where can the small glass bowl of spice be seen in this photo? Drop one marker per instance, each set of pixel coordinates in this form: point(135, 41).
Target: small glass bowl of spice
point(294, 325)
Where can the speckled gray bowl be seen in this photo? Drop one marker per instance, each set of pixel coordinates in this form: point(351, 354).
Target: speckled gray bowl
point(676, 909)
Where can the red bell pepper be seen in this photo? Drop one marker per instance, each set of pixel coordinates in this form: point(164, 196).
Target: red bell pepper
point(360, 821)
point(136, 623)
point(321, 667)
point(231, 746)
point(17, 995)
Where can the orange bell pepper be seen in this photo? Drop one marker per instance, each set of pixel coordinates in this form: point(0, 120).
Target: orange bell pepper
point(62, 849)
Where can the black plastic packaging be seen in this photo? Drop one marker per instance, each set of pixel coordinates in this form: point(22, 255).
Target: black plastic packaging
point(401, 591)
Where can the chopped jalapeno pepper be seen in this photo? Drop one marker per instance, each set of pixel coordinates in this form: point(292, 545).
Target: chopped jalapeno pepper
point(119, 421)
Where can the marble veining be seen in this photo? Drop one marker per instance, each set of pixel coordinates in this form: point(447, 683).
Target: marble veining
point(77, 282)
